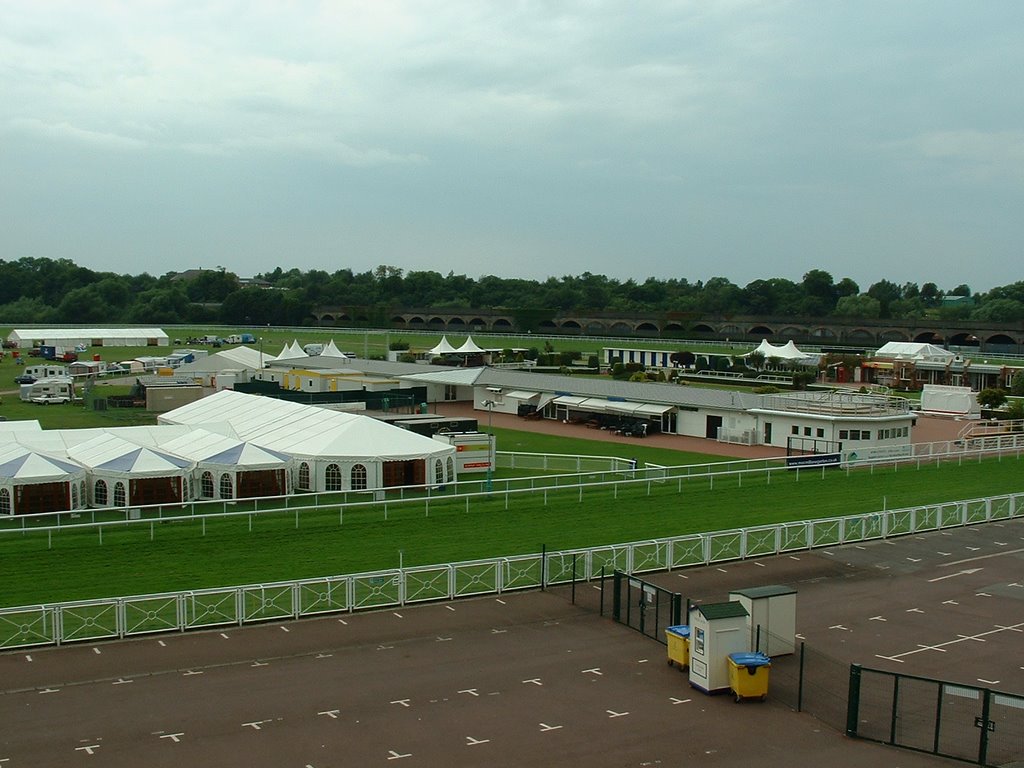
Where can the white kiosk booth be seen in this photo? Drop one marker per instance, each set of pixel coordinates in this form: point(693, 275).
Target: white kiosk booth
point(716, 630)
point(771, 617)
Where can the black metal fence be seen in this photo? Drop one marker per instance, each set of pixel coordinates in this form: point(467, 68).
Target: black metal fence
point(645, 607)
point(948, 719)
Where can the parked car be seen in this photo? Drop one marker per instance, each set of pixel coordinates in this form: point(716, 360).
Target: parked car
point(51, 399)
point(25, 378)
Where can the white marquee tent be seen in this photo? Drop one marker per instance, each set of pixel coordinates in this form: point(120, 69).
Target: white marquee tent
point(334, 451)
point(786, 352)
point(90, 337)
point(228, 468)
point(912, 350)
point(443, 347)
point(31, 481)
point(125, 473)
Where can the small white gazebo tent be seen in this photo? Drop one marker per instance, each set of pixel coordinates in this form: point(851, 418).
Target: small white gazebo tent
point(469, 347)
point(443, 347)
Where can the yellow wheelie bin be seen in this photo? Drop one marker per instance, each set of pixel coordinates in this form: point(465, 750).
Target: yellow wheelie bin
point(748, 675)
point(678, 645)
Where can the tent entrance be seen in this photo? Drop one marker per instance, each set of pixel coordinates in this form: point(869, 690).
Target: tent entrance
point(154, 490)
point(41, 497)
point(264, 482)
point(411, 472)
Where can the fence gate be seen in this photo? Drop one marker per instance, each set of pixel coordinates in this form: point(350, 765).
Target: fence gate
point(645, 607)
point(948, 719)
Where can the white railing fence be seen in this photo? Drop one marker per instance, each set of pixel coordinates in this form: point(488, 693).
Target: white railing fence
point(120, 617)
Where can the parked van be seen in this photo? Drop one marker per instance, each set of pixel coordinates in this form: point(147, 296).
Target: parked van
point(313, 349)
point(50, 391)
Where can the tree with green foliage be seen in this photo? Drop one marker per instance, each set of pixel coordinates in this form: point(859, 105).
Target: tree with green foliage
point(992, 397)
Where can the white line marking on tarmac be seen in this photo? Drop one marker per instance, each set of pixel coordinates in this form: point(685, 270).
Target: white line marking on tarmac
point(950, 602)
point(794, 557)
point(914, 559)
point(470, 691)
point(959, 639)
point(498, 631)
point(760, 565)
point(471, 742)
point(442, 639)
point(674, 700)
point(799, 637)
point(162, 643)
point(28, 657)
point(449, 608)
point(175, 737)
point(682, 576)
point(255, 724)
point(49, 690)
point(641, 661)
point(982, 594)
point(839, 626)
point(1011, 629)
point(972, 549)
point(192, 672)
point(285, 629)
point(533, 680)
point(324, 655)
point(721, 570)
point(983, 557)
point(88, 750)
point(225, 636)
point(96, 650)
point(258, 663)
point(594, 671)
point(976, 639)
point(397, 614)
point(342, 621)
point(403, 702)
point(967, 572)
point(1001, 543)
point(499, 600)
point(121, 681)
point(858, 546)
point(924, 647)
point(546, 727)
point(827, 552)
point(914, 610)
point(612, 713)
point(878, 618)
point(392, 755)
point(944, 554)
point(385, 647)
point(332, 713)
point(988, 682)
point(1014, 584)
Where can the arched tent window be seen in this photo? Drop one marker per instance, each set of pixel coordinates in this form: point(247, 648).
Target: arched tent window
point(119, 498)
point(451, 470)
point(5, 501)
point(359, 477)
point(303, 476)
point(332, 480)
point(74, 495)
point(439, 472)
point(206, 485)
point(82, 493)
point(226, 491)
point(99, 493)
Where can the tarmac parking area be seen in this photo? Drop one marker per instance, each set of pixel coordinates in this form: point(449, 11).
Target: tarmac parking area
point(523, 678)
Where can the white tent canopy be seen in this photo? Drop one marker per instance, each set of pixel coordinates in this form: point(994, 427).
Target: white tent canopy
point(331, 350)
point(785, 352)
point(443, 347)
point(469, 347)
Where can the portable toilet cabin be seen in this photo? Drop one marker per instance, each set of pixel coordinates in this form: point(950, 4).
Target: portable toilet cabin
point(716, 630)
point(771, 612)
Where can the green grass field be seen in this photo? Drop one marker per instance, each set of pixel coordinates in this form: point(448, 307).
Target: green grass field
point(180, 556)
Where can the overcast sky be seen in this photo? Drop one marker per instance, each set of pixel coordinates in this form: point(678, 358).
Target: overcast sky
point(874, 140)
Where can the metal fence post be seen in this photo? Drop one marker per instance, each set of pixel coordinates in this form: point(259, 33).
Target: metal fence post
point(853, 701)
point(800, 679)
point(616, 595)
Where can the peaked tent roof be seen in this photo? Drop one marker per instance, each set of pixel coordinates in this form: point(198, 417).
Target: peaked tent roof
point(112, 453)
point(331, 350)
point(469, 346)
point(443, 347)
point(26, 465)
point(914, 350)
point(305, 430)
point(786, 352)
point(205, 447)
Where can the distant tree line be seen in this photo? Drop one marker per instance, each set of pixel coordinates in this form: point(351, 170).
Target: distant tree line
point(34, 290)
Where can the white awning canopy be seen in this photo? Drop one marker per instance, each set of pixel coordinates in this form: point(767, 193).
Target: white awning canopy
point(520, 394)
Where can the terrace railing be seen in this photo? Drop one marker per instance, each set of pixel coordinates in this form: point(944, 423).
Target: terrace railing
point(120, 617)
